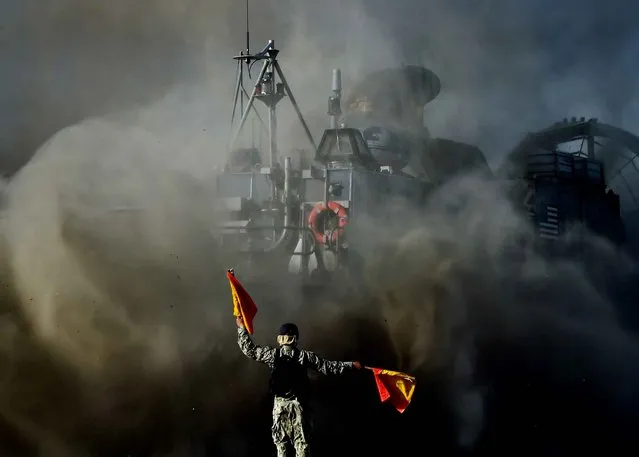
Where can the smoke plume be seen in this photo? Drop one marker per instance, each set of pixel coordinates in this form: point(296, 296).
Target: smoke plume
point(116, 333)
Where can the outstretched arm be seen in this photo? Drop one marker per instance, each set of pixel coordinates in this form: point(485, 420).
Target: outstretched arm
point(263, 354)
point(328, 367)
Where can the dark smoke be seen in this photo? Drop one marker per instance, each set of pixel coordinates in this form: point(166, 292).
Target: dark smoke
point(116, 333)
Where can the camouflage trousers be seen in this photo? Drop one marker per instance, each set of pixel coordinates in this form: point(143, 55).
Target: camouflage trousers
point(292, 426)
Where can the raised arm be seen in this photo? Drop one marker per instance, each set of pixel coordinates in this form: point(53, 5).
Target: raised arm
point(328, 367)
point(263, 354)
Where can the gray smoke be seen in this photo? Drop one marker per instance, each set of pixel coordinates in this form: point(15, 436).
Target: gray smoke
point(116, 329)
point(506, 67)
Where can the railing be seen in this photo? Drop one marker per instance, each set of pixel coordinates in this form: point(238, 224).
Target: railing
point(564, 165)
point(244, 230)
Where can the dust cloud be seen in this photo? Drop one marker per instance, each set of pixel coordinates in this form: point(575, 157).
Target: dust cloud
point(116, 333)
point(119, 339)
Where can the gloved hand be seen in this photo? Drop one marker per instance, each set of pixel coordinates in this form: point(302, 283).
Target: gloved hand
point(357, 365)
point(239, 322)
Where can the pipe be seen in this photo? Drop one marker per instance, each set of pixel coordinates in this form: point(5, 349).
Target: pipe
point(326, 184)
point(272, 135)
point(286, 231)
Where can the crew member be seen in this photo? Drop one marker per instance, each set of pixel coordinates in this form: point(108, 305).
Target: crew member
point(290, 385)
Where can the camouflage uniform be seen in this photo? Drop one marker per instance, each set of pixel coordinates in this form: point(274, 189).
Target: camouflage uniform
point(291, 416)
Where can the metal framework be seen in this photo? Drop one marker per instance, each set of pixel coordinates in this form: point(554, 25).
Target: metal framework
point(618, 149)
point(267, 90)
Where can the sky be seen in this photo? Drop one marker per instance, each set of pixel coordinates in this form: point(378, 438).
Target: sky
point(506, 67)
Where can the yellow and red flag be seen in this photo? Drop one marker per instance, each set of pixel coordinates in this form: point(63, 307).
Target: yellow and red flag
point(394, 386)
point(243, 304)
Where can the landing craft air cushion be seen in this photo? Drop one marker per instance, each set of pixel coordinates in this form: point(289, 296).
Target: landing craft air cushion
point(376, 155)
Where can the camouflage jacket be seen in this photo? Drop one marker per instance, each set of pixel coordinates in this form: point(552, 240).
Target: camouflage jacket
point(266, 355)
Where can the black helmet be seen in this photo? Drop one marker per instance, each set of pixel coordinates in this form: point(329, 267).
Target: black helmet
point(290, 330)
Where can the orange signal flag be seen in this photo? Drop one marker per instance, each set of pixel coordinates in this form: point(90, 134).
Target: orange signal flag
point(394, 386)
point(243, 304)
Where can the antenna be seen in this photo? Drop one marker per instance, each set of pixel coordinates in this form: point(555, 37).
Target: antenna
point(240, 93)
point(248, 35)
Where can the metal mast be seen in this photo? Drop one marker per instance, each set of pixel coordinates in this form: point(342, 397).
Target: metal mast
point(266, 89)
point(269, 92)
